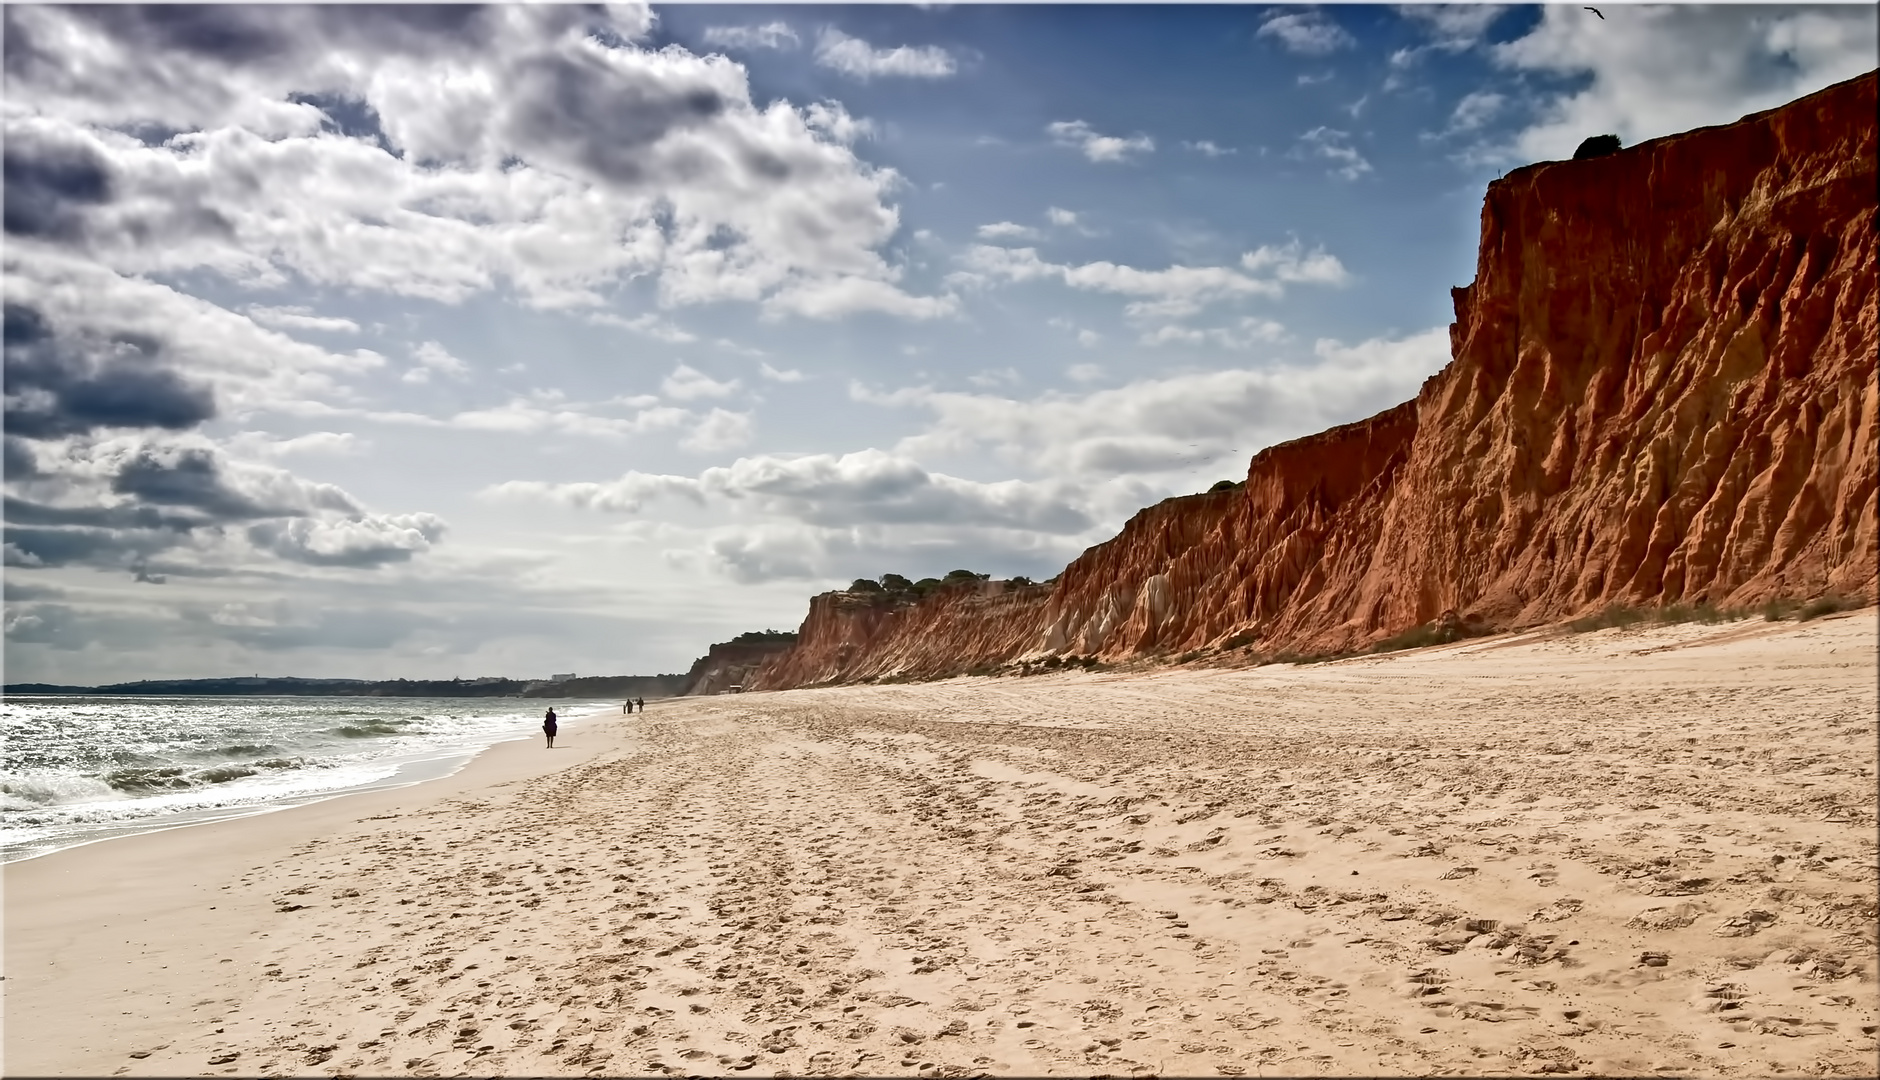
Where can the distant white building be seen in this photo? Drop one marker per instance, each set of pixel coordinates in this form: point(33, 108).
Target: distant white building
point(561, 678)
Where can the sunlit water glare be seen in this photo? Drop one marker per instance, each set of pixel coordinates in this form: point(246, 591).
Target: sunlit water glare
point(79, 769)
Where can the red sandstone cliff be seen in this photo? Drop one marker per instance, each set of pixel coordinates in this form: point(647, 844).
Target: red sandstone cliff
point(730, 663)
point(1662, 389)
point(853, 636)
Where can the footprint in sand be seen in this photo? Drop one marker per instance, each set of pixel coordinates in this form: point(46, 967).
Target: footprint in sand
point(1563, 908)
point(1494, 1012)
point(1666, 918)
point(1723, 998)
point(1749, 923)
point(1425, 984)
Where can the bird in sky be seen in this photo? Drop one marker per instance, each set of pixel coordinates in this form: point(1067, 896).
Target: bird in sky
point(1595, 11)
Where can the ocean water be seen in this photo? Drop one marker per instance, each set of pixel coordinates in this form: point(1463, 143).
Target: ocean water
point(82, 769)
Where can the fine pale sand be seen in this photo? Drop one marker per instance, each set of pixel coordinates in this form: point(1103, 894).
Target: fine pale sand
point(1632, 851)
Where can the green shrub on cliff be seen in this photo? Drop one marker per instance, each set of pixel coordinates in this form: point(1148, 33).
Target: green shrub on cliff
point(752, 637)
point(1598, 146)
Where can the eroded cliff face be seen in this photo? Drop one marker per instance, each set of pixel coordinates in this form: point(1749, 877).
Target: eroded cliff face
point(1662, 389)
point(1663, 386)
point(850, 637)
point(729, 663)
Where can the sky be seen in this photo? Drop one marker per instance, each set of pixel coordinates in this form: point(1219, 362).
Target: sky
point(460, 341)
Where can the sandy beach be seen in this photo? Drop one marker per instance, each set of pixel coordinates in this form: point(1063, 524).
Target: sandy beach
point(1645, 851)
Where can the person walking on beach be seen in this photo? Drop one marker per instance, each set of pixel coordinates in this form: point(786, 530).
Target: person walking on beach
point(548, 727)
point(641, 702)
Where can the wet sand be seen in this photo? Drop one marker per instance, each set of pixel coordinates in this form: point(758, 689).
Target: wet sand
point(1628, 852)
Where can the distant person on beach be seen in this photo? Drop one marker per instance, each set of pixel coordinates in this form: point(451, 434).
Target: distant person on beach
point(548, 727)
point(641, 702)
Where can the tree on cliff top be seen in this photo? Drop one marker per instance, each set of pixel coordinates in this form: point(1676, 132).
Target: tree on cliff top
point(751, 637)
point(895, 583)
point(864, 585)
point(1598, 146)
point(965, 575)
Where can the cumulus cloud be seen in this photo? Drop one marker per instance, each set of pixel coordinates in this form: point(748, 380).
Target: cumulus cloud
point(1057, 215)
point(779, 551)
point(300, 317)
point(541, 414)
point(1209, 148)
point(784, 375)
point(321, 443)
point(82, 381)
point(1308, 33)
point(836, 298)
point(1156, 425)
point(1453, 28)
point(1334, 146)
point(792, 551)
point(437, 155)
point(199, 478)
point(648, 323)
point(360, 541)
point(1650, 71)
point(719, 429)
point(1291, 263)
point(1007, 230)
point(771, 35)
point(430, 358)
point(687, 383)
point(1245, 334)
point(858, 59)
point(1006, 376)
point(833, 120)
point(84, 308)
point(1082, 137)
point(1171, 292)
point(1474, 110)
point(117, 501)
point(838, 491)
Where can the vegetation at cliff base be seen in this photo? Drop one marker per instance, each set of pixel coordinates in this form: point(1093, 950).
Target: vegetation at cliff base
point(1800, 611)
point(1619, 615)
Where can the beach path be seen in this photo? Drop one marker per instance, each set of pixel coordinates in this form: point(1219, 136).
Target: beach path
point(1632, 852)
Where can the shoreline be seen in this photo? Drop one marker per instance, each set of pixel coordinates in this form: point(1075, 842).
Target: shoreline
point(415, 767)
point(117, 908)
point(1468, 858)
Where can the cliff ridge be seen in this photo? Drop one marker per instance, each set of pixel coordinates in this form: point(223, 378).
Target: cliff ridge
point(1662, 390)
